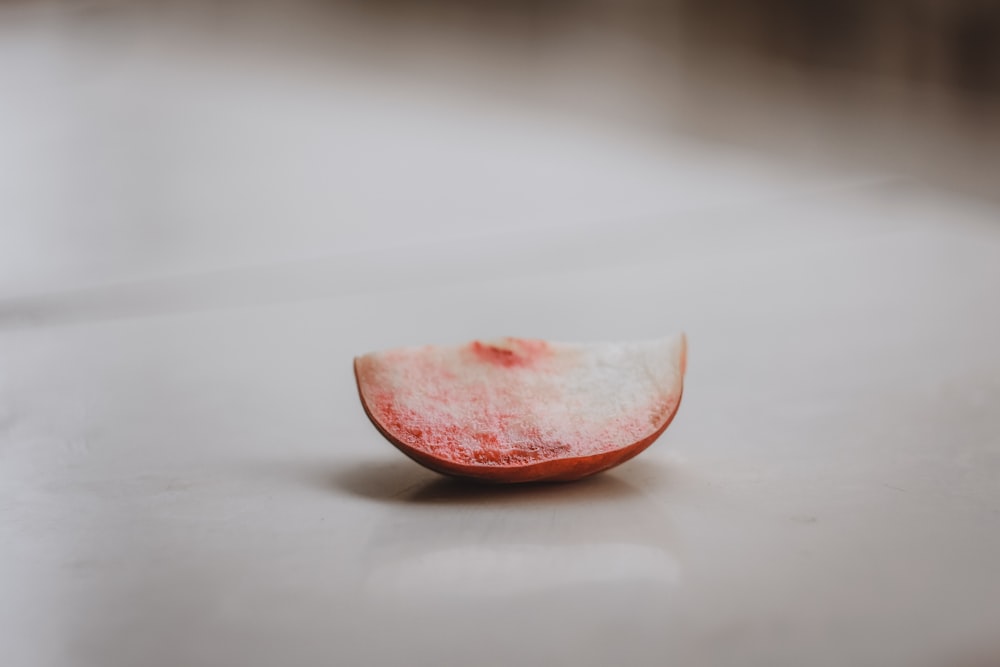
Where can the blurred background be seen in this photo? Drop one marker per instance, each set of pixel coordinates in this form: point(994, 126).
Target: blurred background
point(142, 138)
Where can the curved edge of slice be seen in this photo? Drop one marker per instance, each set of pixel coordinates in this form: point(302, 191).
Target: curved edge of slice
point(555, 470)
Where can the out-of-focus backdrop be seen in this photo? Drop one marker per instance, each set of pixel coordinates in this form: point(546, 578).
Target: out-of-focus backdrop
point(147, 137)
point(208, 208)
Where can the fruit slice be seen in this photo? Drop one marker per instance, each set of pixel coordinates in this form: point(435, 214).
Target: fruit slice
point(518, 410)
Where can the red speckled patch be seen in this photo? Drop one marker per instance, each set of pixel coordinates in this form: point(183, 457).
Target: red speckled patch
point(511, 352)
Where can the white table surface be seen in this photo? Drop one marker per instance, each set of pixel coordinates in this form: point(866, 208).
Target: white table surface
point(193, 249)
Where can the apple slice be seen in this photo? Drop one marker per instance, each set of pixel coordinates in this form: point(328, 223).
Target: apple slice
point(518, 410)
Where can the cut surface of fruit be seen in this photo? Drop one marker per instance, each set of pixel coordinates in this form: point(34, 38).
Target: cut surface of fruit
point(519, 410)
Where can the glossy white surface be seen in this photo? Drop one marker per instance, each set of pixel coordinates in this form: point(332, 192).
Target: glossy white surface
point(187, 477)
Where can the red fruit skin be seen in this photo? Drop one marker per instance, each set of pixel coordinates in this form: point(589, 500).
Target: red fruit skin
point(566, 469)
